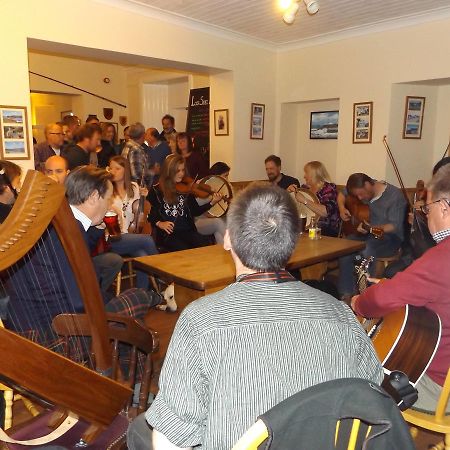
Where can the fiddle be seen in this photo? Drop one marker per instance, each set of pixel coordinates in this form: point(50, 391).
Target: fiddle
point(189, 185)
point(141, 209)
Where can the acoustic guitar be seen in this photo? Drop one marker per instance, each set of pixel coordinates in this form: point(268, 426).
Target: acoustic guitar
point(405, 340)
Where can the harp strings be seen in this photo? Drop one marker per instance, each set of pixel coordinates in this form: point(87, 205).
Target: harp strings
point(40, 280)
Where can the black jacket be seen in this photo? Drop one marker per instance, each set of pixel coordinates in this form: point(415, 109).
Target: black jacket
point(307, 420)
point(75, 156)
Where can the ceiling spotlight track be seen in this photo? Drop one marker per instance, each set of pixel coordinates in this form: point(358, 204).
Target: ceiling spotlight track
point(312, 6)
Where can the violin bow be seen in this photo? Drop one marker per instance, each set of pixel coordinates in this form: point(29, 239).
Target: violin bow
point(446, 150)
point(397, 172)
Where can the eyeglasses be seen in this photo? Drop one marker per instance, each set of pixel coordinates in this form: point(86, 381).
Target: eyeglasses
point(426, 208)
point(58, 134)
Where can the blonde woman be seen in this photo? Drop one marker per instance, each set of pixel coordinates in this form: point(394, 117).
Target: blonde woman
point(318, 181)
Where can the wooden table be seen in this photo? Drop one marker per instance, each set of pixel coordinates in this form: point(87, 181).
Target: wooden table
point(204, 270)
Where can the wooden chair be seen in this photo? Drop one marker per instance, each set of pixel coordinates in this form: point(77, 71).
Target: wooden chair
point(130, 275)
point(10, 398)
point(382, 263)
point(122, 330)
point(437, 422)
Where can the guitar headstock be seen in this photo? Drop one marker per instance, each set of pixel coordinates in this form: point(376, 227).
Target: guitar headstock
point(362, 272)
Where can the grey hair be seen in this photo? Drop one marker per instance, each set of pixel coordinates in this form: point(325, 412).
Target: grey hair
point(263, 224)
point(136, 130)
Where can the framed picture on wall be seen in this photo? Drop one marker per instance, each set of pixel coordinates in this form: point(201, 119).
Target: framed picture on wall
point(221, 124)
point(14, 132)
point(362, 122)
point(324, 125)
point(66, 113)
point(412, 123)
point(258, 112)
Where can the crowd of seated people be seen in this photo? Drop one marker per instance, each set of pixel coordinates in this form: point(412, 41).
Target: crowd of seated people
point(103, 176)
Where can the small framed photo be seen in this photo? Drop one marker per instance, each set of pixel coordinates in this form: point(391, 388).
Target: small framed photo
point(66, 113)
point(221, 124)
point(412, 123)
point(324, 125)
point(257, 121)
point(362, 122)
point(14, 132)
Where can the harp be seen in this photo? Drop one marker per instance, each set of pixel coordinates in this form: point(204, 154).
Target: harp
point(79, 391)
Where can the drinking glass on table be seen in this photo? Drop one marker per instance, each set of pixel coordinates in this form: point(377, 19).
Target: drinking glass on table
point(302, 223)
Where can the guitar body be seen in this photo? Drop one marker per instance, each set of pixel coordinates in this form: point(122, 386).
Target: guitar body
point(405, 340)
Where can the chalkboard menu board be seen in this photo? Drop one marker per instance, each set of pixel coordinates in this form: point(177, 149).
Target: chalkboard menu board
point(197, 124)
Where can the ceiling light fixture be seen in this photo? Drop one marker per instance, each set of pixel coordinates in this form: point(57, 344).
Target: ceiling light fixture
point(312, 6)
point(289, 15)
point(291, 9)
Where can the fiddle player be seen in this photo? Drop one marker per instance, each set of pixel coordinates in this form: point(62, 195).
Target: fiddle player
point(173, 213)
point(318, 181)
point(275, 176)
point(221, 371)
point(125, 193)
point(387, 211)
point(423, 283)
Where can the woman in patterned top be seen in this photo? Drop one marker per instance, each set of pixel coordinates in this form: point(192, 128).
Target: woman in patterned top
point(173, 213)
point(125, 193)
point(318, 181)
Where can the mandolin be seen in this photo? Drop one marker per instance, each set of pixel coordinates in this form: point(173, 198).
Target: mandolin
point(405, 340)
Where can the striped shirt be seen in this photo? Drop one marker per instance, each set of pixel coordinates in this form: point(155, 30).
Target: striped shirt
point(238, 352)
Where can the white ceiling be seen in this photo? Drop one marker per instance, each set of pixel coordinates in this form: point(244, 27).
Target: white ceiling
point(261, 19)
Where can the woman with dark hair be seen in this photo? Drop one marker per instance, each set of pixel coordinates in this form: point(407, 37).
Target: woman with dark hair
point(220, 168)
point(173, 213)
point(125, 193)
point(108, 143)
point(10, 174)
point(196, 166)
point(214, 225)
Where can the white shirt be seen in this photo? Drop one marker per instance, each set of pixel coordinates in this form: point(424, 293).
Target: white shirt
point(82, 217)
point(124, 208)
point(57, 151)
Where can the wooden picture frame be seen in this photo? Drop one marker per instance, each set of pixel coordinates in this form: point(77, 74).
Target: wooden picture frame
point(221, 122)
point(413, 120)
point(324, 125)
point(257, 118)
point(362, 122)
point(14, 143)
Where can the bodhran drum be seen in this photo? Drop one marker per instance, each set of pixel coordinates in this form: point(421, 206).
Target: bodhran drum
point(303, 211)
point(221, 186)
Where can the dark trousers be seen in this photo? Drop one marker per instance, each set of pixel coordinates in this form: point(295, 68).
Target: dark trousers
point(184, 240)
point(378, 248)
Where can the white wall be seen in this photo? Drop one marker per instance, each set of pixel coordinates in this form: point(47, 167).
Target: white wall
point(361, 69)
point(442, 125)
point(107, 28)
point(85, 74)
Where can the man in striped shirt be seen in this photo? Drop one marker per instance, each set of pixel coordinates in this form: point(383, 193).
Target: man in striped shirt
point(238, 352)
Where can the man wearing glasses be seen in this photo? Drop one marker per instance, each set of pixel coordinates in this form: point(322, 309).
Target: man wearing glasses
point(424, 283)
point(54, 140)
